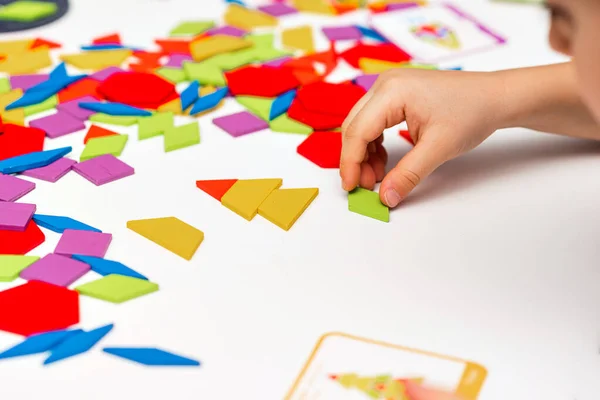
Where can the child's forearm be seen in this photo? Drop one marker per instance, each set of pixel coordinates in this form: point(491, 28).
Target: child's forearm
point(544, 99)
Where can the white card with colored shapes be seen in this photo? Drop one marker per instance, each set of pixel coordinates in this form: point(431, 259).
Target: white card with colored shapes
point(345, 367)
point(435, 33)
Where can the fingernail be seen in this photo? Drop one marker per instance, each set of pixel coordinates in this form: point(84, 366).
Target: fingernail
point(392, 198)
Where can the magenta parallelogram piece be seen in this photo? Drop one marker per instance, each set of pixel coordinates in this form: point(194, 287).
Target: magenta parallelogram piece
point(52, 172)
point(342, 33)
point(278, 9)
point(103, 169)
point(59, 124)
point(227, 31)
point(72, 107)
point(25, 82)
point(13, 188)
point(105, 73)
point(83, 243)
point(55, 269)
point(240, 124)
point(15, 216)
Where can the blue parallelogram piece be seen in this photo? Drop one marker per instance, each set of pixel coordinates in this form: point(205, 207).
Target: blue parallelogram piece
point(371, 33)
point(209, 101)
point(189, 95)
point(33, 160)
point(281, 104)
point(151, 356)
point(77, 344)
point(108, 267)
point(58, 224)
point(39, 343)
point(117, 109)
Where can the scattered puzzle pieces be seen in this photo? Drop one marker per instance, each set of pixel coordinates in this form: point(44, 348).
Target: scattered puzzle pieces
point(77, 343)
point(367, 203)
point(150, 356)
point(170, 233)
point(284, 206)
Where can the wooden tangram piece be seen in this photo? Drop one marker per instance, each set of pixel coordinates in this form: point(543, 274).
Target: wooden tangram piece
point(137, 89)
point(15, 116)
point(174, 46)
point(218, 44)
point(97, 59)
point(170, 233)
point(371, 66)
point(81, 88)
point(26, 62)
point(216, 187)
point(316, 120)
point(114, 38)
point(314, 6)
point(246, 195)
point(248, 19)
point(322, 148)
point(330, 98)
point(300, 38)
point(384, 51)
point(18, 140)
point(284, 206)
point(39, 42)
point(262, 81)
point(15, 46)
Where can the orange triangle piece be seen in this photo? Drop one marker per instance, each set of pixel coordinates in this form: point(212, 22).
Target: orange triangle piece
point(96, 132)
point(108, 39)
point(39, 42)
point(216, 188)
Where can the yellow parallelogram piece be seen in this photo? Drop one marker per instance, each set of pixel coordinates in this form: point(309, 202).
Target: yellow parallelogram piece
point(97, 59)
point(15, 46)
point(26, 62)
point(372, 66)
point(284, 206)
point(170, 233)
point(300, 38)
point(211, 46)
point(245, 18)
point(314, 6)
point(15, 116)
point(246, 195)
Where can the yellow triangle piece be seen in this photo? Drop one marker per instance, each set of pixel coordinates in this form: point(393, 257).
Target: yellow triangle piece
point(284, 206)
point(26, 62)
point(246, 195)
point(314, 6)
point(217, 44)
point(171, 233)
point(15, 46)
point(15, 116)
point(97, 59)
point(244, 18)
point(174, 106)
point(300, 38)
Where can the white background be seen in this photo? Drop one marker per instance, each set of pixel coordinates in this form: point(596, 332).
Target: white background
point(494, 258)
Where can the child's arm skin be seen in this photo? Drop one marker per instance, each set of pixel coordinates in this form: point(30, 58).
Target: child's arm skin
point(449, 113)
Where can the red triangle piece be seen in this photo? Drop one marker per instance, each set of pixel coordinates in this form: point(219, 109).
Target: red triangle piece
point(146, 56)
point(318, 121)
point(406, 135)
point(39, 42)
point(174, 46)
point(21, 242)
point(17, 140)
point(114, 38)
point(330, 98)
point(96, 132)
point(81, 88)
point(323, 149)
point(138, 89)
point(262, 81)
point(383, 51)
point(216, 188)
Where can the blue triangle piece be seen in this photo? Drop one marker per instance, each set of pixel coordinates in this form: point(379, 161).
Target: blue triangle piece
point(151, 356)
point(108, 267)
point(77, 344)
point(118, 109)
point(281, 104)
point(209, 101)
point(189, 95)
point(39, 343)
point(371, 33)
point(33, 160)
point(59, 224)
point(59, 72)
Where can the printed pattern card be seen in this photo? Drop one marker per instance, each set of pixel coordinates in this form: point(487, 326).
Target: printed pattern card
point(345, 367)
point(435, 33)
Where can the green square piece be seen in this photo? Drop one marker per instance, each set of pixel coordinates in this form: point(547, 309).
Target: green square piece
point(173, 75)
point(367, 203)
point(121, 120)
point(11, 266)
point(27, 10)
point(113, 144)
point(191, 28)
point(182, 136)
point(4, 85)
point(117, 288)
point(45, 105)
point(155, 125)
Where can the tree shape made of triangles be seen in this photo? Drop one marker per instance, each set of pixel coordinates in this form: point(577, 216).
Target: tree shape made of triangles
point(379, 387)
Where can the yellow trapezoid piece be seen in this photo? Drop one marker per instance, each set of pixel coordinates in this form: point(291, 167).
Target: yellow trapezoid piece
point(26, 62)
point(284, 206)
point(300, 38)
point(218, 44)
point(246, 195)
point(245, 18)
point(97, 59)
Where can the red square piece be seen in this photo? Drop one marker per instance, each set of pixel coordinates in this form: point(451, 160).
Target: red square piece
point(262, 81)
point(384, 51)
point(323, 149)
point(17, 140)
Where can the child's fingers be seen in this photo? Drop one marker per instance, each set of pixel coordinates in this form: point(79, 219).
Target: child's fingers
point(357, 107)
point(417, 392)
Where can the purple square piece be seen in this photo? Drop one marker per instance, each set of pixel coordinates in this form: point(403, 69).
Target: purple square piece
point(52, 172)
point(176, 60)
point(342, 33)
point(228, 31)
point(105, 73)
point(278, 62)
point(366, 81)
point(278, 9)
point(72, 107)
point(25, 82)
point(240, 124)
point(59, 124)
point(55, 269)
point(83, 243)
point(103, 169)
point(12, 188)
point(15, 216)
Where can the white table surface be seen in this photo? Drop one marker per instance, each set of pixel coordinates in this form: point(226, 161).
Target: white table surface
point(494, 258)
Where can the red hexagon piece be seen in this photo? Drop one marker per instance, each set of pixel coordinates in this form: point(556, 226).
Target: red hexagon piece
point(138, 89)
point(330, 98)
point(323, 148)
point(21, 242)
point(383, 51)
point(262, 81)
point(17, 140)
point(37, 307)
point(317, 121)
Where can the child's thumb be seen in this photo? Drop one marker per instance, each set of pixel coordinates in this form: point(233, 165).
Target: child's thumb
point(415, 166)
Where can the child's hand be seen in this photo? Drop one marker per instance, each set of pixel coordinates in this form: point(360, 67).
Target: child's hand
point(447, 112)
point(417, 392)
